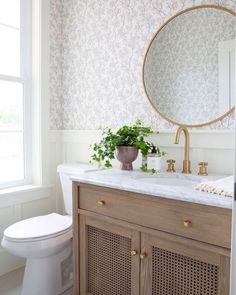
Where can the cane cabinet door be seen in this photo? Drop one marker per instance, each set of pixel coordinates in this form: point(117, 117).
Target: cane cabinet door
point(172, 265)
point(109, 258)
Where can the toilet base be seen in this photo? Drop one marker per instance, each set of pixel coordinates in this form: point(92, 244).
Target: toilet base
point(51, 275)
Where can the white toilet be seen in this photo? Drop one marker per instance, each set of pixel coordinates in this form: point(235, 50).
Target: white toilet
point(46, 242)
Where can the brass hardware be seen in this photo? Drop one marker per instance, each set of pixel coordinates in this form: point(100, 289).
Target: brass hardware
point(102, 203)
point(171, 165)
point(187, 223)
point(203, 168)
point(133, 252)
point(186, 161)
point(143, 255)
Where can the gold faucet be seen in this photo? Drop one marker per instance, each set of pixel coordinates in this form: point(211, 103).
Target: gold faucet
point(186, 161)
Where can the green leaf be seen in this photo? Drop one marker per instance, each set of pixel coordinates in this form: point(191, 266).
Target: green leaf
point(134, 135)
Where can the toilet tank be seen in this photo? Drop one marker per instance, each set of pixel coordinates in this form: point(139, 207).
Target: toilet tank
point(66, 171)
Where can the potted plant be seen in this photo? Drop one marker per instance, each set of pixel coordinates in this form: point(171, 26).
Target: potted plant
point(124, 144)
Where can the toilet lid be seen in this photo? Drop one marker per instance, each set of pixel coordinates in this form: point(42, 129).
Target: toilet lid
point(38, 227)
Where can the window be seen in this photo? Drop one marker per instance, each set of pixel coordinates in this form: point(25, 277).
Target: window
point(15, 91)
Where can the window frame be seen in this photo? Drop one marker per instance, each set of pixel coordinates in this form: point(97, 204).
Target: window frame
point(25, 79)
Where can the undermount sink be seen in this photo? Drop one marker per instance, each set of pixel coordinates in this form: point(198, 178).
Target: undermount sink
point(170, 179)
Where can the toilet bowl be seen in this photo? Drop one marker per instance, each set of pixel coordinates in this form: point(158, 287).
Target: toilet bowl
point(46, 242)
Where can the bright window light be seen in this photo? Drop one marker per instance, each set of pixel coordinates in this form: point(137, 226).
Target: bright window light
point(9, 50)
point(15, 67)
point(10, 13)
point(11, 131)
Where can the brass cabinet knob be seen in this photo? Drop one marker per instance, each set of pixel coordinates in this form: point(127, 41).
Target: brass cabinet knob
point(101, 203)
point(171, 165)
point(203, 168)
point(143, 255)
point(133, 252)
point(187, 223)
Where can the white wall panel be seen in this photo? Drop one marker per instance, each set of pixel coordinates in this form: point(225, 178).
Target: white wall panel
point(215, 147)
point(18, 205)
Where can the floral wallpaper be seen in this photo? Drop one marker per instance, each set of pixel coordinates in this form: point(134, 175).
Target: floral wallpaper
point(97, 51)
point(182, 65)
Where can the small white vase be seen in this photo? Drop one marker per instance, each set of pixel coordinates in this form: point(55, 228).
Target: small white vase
point(154, 162)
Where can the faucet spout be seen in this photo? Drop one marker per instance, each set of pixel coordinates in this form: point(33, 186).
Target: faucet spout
point(186, 161)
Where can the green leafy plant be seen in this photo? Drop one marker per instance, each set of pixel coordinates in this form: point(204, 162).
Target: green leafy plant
point(104, 151)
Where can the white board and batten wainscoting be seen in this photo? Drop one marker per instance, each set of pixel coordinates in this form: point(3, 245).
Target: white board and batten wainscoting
point(18, 204)
point(214, 147)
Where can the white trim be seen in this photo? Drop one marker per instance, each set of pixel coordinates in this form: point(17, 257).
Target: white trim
point(26, 73)
point(73, 146)
point(36, 92)
point(9, 26)
point(11, 131)
point(12, 184)
point(11, 78)
point(45, 93)
point(23, 194)
point(40, 88)
point(233, 245)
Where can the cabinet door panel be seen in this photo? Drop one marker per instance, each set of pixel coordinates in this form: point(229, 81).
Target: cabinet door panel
point(179, 266)
point(106, 264)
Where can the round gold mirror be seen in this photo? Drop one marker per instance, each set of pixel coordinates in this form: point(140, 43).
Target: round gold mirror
point(189, 67)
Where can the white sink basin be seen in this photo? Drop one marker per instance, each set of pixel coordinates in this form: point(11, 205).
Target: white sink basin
point(170, 179)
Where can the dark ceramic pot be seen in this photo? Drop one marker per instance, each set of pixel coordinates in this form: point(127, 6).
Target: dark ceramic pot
point(126, 155)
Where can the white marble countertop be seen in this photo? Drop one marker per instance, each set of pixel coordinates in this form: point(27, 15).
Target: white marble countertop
point(175, 186)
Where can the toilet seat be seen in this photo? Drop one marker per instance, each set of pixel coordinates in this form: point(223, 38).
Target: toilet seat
point(46, 243)
point(39, 228)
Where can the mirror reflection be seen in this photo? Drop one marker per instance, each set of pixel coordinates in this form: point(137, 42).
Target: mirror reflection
point(188, 71)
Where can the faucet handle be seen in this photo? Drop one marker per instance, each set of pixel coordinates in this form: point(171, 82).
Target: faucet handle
point(203, 168)
point(171, 165)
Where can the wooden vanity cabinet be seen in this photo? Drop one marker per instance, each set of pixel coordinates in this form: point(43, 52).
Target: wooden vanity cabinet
point(106, 262)
point(115, 255)
point(179, 266)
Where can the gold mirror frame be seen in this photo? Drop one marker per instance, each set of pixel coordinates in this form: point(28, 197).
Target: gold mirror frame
point(145, 57)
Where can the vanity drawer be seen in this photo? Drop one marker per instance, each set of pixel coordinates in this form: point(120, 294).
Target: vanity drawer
point(199, 222)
